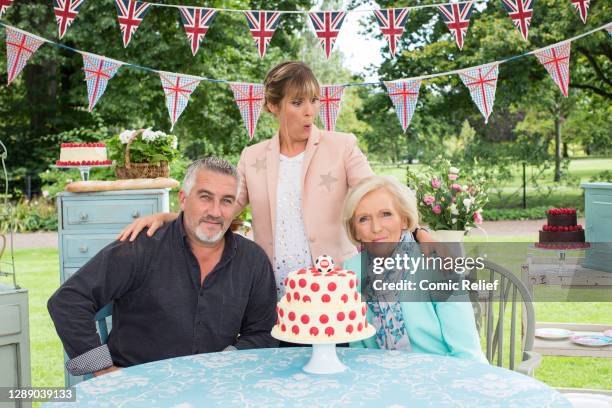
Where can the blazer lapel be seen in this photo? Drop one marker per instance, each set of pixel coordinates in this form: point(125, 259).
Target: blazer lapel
point(272, 159)
point(311, 149)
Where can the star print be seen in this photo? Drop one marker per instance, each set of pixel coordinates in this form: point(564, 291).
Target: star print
point(260, 164)
point(327, 180)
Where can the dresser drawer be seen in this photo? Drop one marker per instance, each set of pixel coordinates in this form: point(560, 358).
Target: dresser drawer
point(77, 249)
point(105, 213)
point(10, 320)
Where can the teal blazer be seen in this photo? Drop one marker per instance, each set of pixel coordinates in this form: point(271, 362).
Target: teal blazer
point(444, 328)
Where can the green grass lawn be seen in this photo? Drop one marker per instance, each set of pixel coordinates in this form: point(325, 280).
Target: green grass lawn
point(38, 271)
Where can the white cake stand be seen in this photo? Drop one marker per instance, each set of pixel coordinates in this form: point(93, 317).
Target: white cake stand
point(324, 359)
point(83, 169)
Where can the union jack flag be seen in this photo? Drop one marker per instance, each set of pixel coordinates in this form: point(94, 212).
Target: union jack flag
point(482, 83)
point(98, 71)
point(457, 19)
point(250, 100)
point(4, 5)
point(178, 89)
point(20, 46)
point(130, 14)
point(331, 97)
point(196, 21)
point(327, 26)
point(404, 95)
point(262, 25)
point(392, 22)
point(582, 7)
point(65, 13)
point(520, 11)
point(556, 61)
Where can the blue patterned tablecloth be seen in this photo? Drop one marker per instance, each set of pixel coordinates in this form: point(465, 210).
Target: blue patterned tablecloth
point(274, 378)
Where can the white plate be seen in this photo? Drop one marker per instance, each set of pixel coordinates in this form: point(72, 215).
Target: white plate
point(580, 400)
point(608, 333)
point(553, 334)
point(592, 340)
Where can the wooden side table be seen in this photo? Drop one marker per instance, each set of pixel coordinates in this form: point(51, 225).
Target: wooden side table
point(569, 349)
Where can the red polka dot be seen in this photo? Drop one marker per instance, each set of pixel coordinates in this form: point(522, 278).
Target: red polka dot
point(349, 328)
point(302, 283)
point(314, 287)
point(363, 310)
point(316, 274)
point(292, 284)
point(337, 268)
point(305, 319)
point(352, 315)
point(366, 323)
point(296, 296)
point(302, 271)
point(314, 331)
point(360, 327)
point(277, 321)
point(295, 329)
point(283, 327)
point(329, 331)
point(351, 284)
point(291, 316)
point(356, 296)
point(356, 282)
point(331, 286)
point(340, 316)
point(323, 318)
point(285, 281)
point(306, 298)
point(281, 312)
point(344, 298)
point(342, 274)
point(288, 297)
point(325, 298)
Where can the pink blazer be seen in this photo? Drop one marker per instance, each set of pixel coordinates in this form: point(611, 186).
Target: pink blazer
point(332, 164)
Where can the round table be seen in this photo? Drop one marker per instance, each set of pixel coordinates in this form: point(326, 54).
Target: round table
point(274, 378)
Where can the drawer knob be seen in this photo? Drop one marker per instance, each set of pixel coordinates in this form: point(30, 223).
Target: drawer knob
point(135, 214)
point(83, 249)
point(83, 216)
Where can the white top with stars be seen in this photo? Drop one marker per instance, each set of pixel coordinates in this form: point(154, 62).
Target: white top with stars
point(291, 249)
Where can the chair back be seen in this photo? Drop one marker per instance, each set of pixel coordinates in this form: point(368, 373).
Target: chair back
point(502, 322)
point(102, 325)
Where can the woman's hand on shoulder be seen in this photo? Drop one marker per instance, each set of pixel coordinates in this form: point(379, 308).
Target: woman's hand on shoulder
point(153, 222)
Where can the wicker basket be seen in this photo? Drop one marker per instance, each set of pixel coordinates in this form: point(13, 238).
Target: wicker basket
point(140, 170)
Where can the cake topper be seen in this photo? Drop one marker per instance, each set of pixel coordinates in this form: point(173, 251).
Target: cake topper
point(324, 264)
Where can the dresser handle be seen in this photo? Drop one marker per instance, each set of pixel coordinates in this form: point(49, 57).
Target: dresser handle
point(83, 217)
point(135, 214)
point(83, 249)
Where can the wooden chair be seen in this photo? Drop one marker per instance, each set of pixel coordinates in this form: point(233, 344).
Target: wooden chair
point(502, 347)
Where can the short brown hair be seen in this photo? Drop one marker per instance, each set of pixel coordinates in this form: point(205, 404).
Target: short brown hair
point(294, 76)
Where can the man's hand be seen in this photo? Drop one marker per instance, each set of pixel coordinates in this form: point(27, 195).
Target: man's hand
point(106, 371)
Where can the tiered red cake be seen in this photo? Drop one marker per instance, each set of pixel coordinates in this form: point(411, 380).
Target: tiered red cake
point(562, 226)
point(83, 154)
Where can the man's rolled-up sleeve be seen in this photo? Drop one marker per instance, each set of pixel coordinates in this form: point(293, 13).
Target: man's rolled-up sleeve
point(260, 313)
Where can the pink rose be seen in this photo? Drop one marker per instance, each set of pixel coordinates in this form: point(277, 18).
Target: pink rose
point(477, 217)
point(437, 209)
point(435, 183)
point(456, 186)
point(452, 176)
point(429, 200)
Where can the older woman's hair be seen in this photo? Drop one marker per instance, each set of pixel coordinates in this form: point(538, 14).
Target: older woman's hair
point(405, 202)
point(210, 163)
point(291, 77)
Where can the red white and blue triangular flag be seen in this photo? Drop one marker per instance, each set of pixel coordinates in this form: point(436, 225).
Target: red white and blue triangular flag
point(331, 98)
point(327, 26)
point(404, 95)
point(262, 25)
point(20, 46)
point(582, 8)
point(457, 19)
point(4, 5)
point(520, 11)
point(392, 23)
point(609, 30)
point(65, 13)
point(556, 61)
point(130, 14)
point(98, 71)
point(196, 21)
point(482, 83)
point(178, 90)
point(250, 100)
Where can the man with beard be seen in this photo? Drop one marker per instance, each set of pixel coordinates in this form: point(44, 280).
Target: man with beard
point(194, 287)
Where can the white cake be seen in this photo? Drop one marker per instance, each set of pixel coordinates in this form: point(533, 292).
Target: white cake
point(83, 154)
point(321, 306)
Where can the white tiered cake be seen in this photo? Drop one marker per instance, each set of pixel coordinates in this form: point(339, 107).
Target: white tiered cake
point(321, 306)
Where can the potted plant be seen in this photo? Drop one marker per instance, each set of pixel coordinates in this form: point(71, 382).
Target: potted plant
point(142, 153)
point(450, 202)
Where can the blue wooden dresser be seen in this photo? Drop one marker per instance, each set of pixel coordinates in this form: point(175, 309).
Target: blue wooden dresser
point(87, 222)
point(598, 229)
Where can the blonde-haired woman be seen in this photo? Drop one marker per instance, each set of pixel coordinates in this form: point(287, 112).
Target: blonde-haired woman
point(379, 214)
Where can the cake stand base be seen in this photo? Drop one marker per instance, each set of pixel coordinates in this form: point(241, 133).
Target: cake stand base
point(324, 360)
